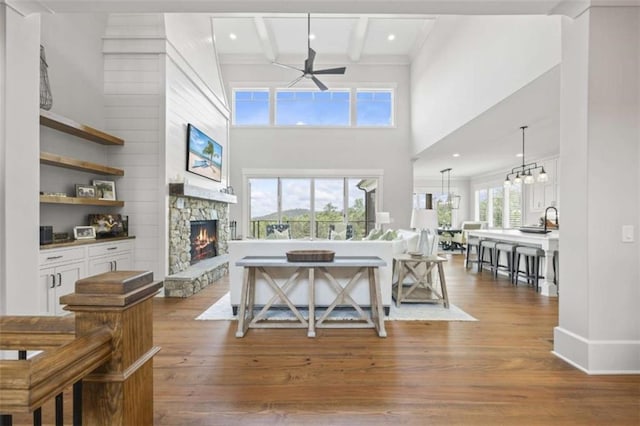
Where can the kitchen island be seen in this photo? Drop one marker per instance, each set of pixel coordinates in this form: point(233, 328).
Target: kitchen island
point(549, 242)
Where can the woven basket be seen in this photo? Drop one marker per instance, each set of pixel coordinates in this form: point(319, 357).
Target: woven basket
point(310, 255)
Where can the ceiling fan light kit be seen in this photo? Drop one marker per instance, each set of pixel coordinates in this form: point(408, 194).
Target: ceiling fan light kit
point(308, 71)
point(523, 173)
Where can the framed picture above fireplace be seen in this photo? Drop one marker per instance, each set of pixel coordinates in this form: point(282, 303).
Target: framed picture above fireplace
point(204, 155)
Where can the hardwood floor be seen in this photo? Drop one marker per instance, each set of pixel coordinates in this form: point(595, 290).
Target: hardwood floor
point(498, 370)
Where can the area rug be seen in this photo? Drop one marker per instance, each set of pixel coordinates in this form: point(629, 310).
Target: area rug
point(221, 310)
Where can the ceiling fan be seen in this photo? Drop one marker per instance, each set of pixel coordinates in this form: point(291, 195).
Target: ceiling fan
point(308, 71)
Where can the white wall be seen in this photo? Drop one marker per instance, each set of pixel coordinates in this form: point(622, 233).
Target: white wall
point(470, 63)
point(73, 45)
point(459, 187)
point(328, 148)
point(19, 164)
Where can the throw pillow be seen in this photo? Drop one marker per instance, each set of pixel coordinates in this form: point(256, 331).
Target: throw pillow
point(374, 234)
point(335, 235)
point(389, 235)
point(277, 235)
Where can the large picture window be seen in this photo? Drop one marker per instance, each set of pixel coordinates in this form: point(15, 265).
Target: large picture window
point(310, 206)
point(498, 207)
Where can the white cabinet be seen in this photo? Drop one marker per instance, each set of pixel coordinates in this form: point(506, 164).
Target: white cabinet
point(57, 280)
point(60, 268)
point(108, 257)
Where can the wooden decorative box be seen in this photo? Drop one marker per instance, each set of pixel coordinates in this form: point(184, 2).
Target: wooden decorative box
point(310, 255)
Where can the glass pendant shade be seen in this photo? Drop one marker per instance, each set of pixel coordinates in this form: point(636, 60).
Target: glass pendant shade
point(528, 179)
point(517, 180)
point(507, 182)
point(543, 176)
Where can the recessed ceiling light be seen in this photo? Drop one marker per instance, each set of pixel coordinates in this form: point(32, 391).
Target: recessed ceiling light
point(391, 37)
point(312, 36)
point(456, 155)
point(232, 36)
point(519, 154)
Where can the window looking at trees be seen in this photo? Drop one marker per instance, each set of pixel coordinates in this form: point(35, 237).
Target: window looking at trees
point(292, 201)
point(499, 208)
point(311, 107)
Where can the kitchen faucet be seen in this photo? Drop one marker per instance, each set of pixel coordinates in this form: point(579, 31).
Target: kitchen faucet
point(545, 217)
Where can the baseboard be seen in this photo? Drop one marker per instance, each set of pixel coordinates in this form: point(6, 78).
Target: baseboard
point(597, 356)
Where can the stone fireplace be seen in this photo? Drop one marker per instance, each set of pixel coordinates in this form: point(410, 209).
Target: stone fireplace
point(198, 235)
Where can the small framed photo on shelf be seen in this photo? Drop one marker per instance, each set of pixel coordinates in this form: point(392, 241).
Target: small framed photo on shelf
point(105, 189)
point(84, 233)
point(86, 191)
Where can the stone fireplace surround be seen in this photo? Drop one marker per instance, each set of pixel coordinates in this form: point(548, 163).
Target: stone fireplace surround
point(187, 203)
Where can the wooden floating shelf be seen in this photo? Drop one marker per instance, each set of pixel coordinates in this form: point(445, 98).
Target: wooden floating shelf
point(63, 124)
point(74, 164)
point(52, 199)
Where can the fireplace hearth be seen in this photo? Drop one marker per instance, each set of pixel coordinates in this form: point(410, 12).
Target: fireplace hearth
point(203, 240)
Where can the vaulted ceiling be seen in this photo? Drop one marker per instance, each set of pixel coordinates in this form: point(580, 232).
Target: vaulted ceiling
point(339, 38)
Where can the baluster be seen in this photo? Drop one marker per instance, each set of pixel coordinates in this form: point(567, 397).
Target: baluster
point(37, 417)
point(22, 354)
point(59, 410)
point(77, 403)
point(6, 420)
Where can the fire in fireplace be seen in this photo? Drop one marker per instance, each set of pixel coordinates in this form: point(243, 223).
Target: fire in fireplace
point(204, 239)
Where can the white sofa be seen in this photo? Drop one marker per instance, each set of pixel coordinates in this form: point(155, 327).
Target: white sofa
point(324, 294)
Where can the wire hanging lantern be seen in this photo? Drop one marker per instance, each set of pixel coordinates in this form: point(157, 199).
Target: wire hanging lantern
point(46, 99)
point(452, 201)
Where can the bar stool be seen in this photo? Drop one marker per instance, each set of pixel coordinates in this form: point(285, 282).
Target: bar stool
point(509, 250)
point(484, 246)
point(532, 256)
point(472, 242)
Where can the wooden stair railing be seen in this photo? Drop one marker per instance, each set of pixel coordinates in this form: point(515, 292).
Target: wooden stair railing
point(108, 344)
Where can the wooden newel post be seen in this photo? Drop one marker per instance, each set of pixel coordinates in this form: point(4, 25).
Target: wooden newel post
point(121, 391)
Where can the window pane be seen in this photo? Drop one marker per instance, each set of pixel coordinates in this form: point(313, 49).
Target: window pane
point(296, 205)
point(312, 108)
point(515, 206)
point(264, 205)
point(482, 201)
point(251, 107)
point(374, 108)
point(356, 215)
point(497, 202)
point(329, 205)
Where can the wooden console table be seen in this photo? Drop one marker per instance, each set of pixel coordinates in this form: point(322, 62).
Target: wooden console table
point(364, 264)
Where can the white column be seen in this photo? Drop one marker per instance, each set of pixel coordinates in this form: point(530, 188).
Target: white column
point(19, 161)
point(599, 324)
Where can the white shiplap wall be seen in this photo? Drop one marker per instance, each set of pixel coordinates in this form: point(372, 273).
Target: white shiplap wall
point(134, 86)
point(152, 92)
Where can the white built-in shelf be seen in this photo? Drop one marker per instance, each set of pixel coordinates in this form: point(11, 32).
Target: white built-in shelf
point(192, 191)
point(81, 165)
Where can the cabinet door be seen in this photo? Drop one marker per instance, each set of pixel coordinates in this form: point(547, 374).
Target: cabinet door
point(66, 276)
point(123, 262)
point(47, 291)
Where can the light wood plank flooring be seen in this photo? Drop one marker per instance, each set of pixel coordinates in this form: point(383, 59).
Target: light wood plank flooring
point(497, 371)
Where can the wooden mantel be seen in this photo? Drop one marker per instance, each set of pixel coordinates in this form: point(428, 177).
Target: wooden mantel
point(192, 191)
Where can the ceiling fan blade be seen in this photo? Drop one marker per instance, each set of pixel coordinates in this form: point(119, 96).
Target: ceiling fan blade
point(339, 70)
point(293, 83)
point(308, 63)
point(287, 66)
point(319, 83)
